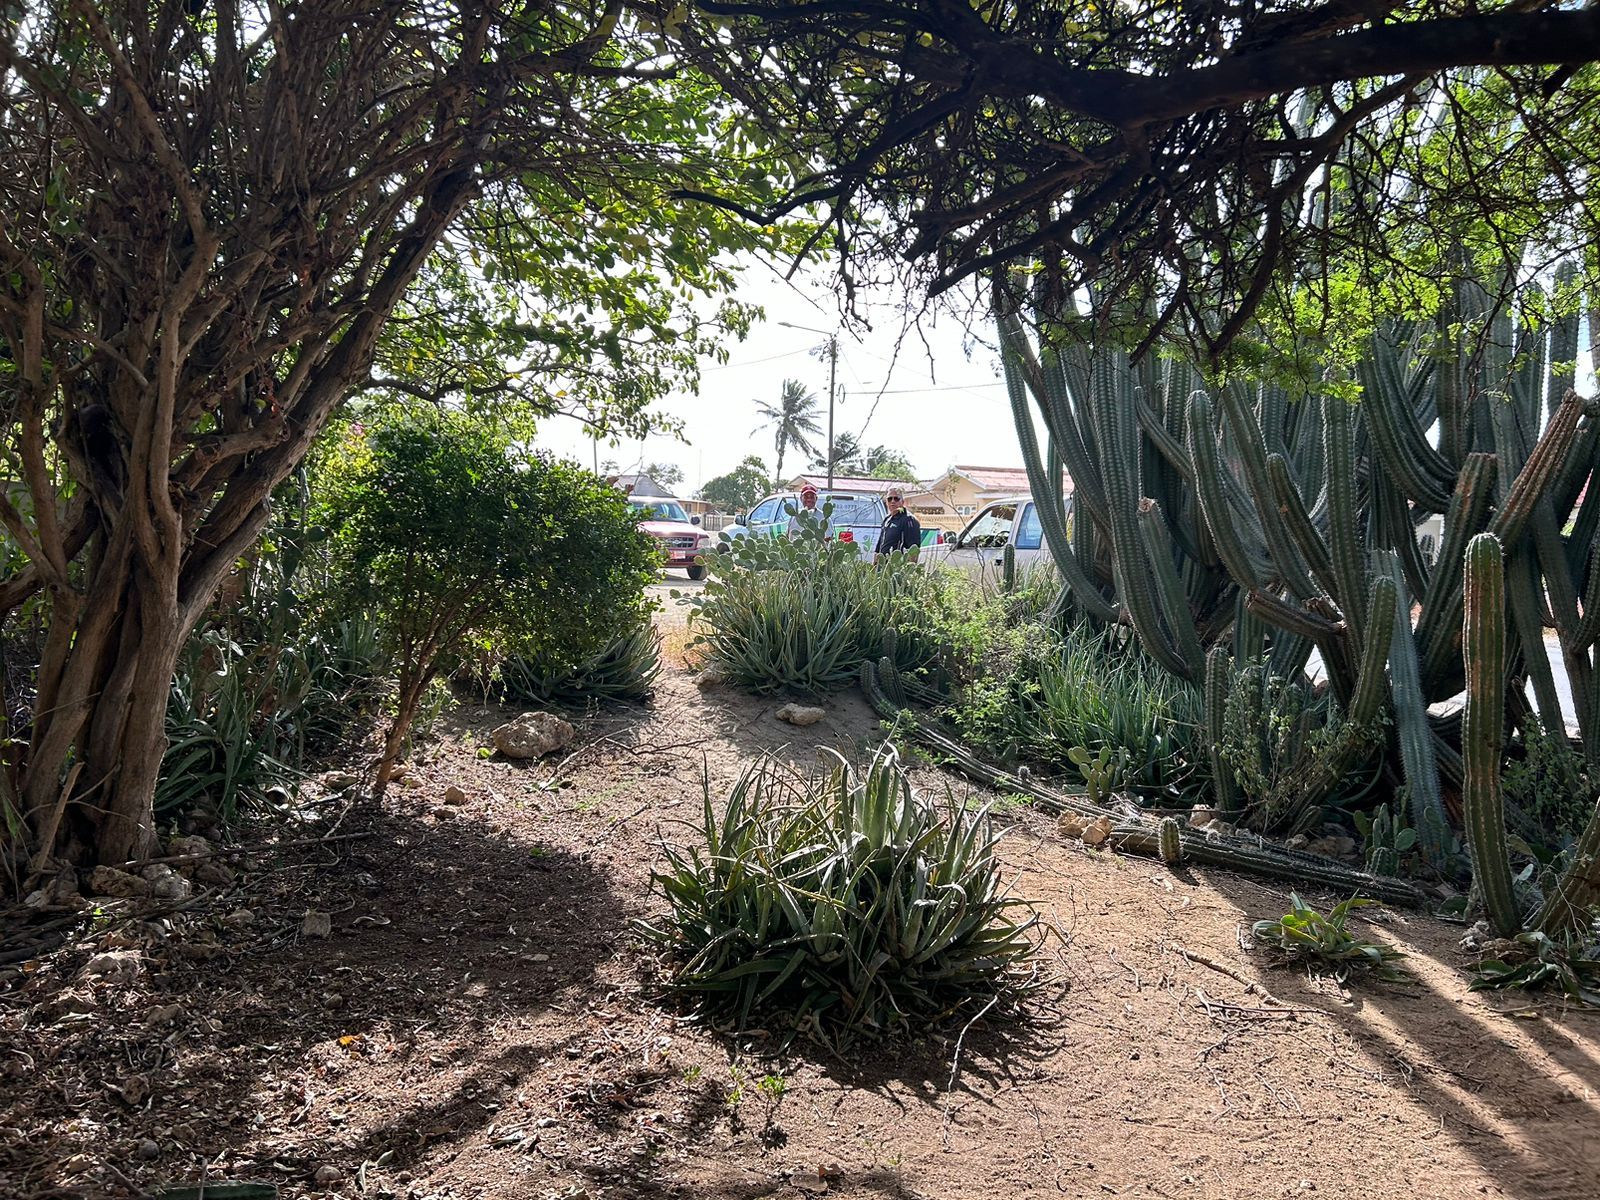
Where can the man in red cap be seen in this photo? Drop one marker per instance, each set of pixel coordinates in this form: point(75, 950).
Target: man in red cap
point(809, 518)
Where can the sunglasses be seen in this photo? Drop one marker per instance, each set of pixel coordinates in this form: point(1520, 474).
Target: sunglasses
point(894, 497)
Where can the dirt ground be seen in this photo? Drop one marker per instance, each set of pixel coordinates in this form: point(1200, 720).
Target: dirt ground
point(481, 1021)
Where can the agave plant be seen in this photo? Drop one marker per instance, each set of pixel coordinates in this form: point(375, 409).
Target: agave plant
point(842, 906)
point(625, 669)
point(801, 616)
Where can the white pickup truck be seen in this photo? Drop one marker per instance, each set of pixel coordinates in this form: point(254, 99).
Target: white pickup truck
point(1013, 521)
point(858, 514)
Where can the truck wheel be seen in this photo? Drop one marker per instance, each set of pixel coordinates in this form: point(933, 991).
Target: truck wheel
point(697, 572)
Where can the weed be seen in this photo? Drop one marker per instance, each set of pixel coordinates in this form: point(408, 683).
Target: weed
point(1304, 935)
point(1532, 961)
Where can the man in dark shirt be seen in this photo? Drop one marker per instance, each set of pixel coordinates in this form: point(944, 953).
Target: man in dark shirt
point(901, 531)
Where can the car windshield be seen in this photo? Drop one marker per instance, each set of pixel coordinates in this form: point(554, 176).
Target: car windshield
point(660, 510)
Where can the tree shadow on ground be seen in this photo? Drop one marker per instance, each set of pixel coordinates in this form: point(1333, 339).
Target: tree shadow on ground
point(1512, 1080)
point(244, 1023)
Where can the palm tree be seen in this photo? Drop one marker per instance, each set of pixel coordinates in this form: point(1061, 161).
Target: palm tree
point(793, 417)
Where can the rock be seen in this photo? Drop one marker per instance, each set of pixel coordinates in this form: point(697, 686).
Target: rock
point(1201, 815)
point(327, 1175)
point(445, 814)
point(532, 735)
point(331, 1000)
point(167, 1014)
point(116, 966)
point(165, 883)
point(239, 918)
point(338, 781)
point(315, 924)
point(801, 714)
point(108, 881)
point(1070, 825)
point(216, 873)
point(149, 1149)
point(412, 782)
point(135, 1090)
point(454, 795)
point(1097, 831)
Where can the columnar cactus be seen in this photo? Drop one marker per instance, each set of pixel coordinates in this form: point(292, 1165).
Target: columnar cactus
point(1169, 841)
point(1483, 730)
point(1237, 519)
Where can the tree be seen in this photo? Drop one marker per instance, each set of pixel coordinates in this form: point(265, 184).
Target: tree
point(792, 419)
point(1178, 160)
point(443, 530)
point(879, 462)
point(739, 488)
point(883, 463)
point(668, 475)
point(213, 221)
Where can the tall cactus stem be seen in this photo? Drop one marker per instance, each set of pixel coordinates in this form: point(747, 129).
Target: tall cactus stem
point(1219, 676)
point(1483, 729)
point(1414, 734)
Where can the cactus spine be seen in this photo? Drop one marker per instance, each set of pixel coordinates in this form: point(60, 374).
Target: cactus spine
point(1484, 647)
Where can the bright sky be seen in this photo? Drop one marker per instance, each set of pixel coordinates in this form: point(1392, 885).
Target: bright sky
point(942, 402)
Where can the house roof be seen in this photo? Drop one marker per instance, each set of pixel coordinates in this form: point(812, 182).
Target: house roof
point(846, 483)
point(1000, 481)
point(637, 485)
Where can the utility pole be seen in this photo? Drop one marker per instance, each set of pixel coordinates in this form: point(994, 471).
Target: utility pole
point(833, 366)
point(833, 370)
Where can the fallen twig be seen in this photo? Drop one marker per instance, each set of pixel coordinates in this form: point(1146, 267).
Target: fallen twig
point(224, 851)
point(1250, 985)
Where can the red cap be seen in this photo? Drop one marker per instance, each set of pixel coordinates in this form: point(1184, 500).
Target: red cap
point(808, 488)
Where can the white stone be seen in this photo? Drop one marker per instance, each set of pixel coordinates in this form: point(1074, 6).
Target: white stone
point(533, 735)
point(801, 714)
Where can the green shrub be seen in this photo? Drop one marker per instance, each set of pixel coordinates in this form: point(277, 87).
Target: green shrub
point(841, 906)
point(447, 531)
point(1550, 785)
point(802, 614)
point(1534, 961)
point(272, 679)
point(624, 669)
point(1273, 727)
point(1052, 697)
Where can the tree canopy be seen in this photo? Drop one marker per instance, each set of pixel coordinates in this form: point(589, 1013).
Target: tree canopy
point(1178, 156)
point(221, 218)
point(739, 488)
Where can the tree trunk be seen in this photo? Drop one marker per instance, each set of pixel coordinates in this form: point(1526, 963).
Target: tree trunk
point(99, 730)
point(412, 685)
